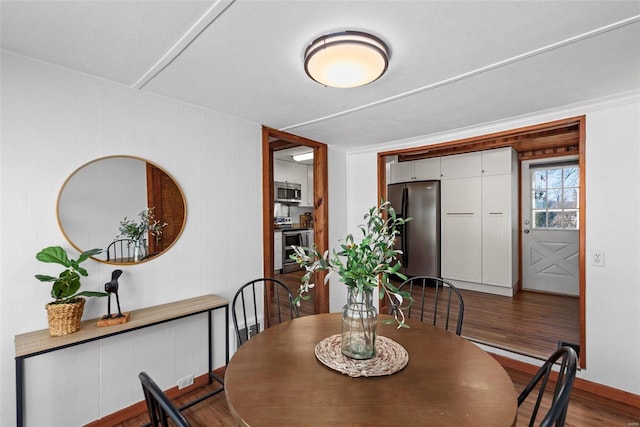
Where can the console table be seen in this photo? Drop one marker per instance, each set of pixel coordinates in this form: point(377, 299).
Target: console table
point(40, 342)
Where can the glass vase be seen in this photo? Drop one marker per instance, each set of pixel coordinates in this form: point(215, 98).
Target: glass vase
point(138, 250)
point(359, 322)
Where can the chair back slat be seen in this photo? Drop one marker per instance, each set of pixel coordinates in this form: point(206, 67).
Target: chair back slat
point(249, 314)
point(557, 412)
point(436, 300)
point(159, 406)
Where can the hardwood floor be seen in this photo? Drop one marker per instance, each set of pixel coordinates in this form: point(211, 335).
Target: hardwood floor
point(292, 280)
point(585, 410)
point(530, 323)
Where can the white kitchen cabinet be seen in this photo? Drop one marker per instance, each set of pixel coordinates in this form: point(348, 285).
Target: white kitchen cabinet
point(277, 250)
point(497, 230)
point(498, 161)
point(478, 220)
point(415, 170)
point(461, 165)
point(461, 229)
point(499, 217)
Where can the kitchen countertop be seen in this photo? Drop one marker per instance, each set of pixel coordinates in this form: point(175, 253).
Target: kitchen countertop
point(294, 227)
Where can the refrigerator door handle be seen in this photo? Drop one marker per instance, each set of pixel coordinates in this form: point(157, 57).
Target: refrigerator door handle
point(403, 231)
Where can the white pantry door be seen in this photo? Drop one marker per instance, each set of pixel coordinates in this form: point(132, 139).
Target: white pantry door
point(550, 249)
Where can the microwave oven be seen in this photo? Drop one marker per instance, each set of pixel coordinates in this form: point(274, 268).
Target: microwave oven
point(287, 192)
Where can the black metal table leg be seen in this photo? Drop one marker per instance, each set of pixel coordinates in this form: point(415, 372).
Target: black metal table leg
point(19, 391)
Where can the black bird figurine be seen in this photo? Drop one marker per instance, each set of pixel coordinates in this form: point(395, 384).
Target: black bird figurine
point(112, 288)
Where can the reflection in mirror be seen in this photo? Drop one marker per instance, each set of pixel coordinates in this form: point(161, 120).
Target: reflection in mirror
point(101, 194)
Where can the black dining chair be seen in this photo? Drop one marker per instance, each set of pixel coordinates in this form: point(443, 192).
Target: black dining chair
point(557, 412)
point(123, 250)
point(159, 406)
point(244, 308)
point(435, 300)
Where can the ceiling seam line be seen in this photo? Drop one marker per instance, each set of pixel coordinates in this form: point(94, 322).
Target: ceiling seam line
point(475, 72)
point(183, 42)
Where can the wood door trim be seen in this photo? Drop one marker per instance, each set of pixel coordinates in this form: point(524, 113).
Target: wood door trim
point(523, 141)
point(320, 203)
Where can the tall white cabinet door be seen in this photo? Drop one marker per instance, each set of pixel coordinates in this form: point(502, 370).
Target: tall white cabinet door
point(496, 230)
point(461, 229)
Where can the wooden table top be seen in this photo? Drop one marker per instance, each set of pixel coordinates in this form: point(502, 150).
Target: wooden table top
point(275, 379)
point(40, 341)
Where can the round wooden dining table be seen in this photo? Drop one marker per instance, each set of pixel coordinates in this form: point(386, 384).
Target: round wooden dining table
point(275, 379)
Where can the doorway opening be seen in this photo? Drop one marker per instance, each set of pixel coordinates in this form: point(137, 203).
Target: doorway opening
point(533, 143)
point(316, 194)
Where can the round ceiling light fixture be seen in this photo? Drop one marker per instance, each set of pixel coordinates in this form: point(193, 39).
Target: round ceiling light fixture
point(346, 59)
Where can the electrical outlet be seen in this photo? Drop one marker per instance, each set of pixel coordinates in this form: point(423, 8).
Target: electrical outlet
point(253, 330)
point(185, 382)
point(597, 258)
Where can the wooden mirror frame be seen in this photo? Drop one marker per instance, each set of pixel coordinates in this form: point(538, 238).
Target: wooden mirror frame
point(156, 177)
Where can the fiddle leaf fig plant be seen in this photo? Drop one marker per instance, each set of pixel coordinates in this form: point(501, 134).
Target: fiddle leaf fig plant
point(66, 286)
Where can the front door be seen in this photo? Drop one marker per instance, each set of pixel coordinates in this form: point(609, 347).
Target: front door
point(550, 249)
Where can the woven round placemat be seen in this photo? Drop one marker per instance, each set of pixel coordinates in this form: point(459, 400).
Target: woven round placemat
point(390, 358)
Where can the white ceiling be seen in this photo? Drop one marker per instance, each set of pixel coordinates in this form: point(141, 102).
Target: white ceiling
point(453, 63)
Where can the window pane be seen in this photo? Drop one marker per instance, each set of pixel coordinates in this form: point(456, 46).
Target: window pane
point(554, 178)
point(571, 177)
point(539, 219)
point(554, 219)
point(539, 199)
point(539, 180)
point(570, 198)
point(554, 199)
point(570, 219)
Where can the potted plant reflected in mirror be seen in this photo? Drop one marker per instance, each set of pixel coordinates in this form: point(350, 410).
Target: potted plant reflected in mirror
point(65, 312)
point(137, 232)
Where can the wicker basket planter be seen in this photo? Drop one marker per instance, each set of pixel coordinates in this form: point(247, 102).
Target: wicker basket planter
point(65, 319)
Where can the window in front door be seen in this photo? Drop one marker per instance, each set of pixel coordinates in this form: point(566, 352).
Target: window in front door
point(555, 197)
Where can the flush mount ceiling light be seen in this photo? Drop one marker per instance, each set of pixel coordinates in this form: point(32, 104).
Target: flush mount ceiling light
point(302, 157)
point(346, 59)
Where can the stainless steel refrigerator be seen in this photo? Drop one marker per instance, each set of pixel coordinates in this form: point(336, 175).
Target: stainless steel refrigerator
point(419, 239)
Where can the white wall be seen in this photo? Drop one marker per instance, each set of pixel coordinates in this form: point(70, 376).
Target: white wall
point(337, 174)
point(53, 121)
point(613, 224)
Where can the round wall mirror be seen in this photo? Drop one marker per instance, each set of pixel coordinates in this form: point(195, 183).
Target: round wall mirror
point(127, 206)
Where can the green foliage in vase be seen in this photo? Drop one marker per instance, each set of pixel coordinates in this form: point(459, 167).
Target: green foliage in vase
point(366, 265)
point(138, 230)
point(66, 286)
